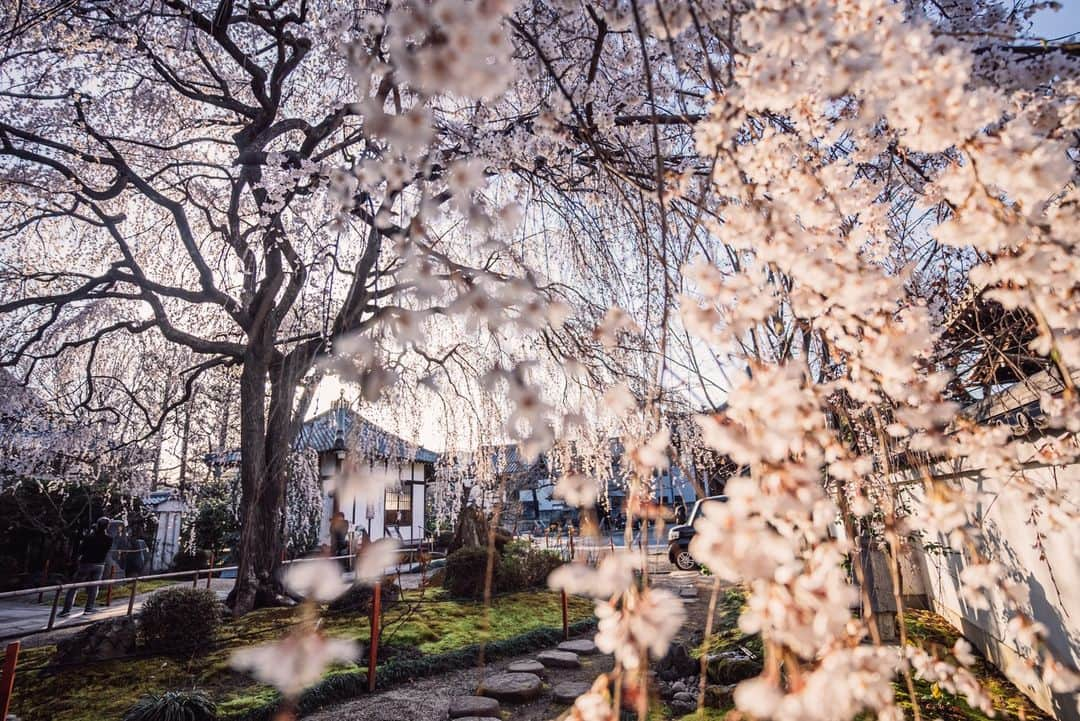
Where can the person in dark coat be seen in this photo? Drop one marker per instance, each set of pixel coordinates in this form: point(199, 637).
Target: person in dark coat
point(92, 553)
point(339, 537)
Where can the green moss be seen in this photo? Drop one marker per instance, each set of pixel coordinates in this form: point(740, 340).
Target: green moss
point(934, 634)
point(706, 714)
point(433, 623)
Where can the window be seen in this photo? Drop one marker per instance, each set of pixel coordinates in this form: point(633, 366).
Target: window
point(398, 506)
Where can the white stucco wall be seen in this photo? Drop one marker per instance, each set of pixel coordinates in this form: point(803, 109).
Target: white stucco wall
point(356, 513)
point(1036, 551)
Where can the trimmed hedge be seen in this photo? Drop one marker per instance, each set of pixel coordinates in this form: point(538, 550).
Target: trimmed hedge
point(180, 620)
point(346, 686)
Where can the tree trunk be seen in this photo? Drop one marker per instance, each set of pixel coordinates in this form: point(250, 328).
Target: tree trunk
point(265, 444)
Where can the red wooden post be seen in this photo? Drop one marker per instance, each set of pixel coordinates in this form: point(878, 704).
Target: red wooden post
point(131, 599)
point(373, 650)
point(565, 618)
point(44, 580)
point(108, 589)
point(210, 573)
point(7, 677)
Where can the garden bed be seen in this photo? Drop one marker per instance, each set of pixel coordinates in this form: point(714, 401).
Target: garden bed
point(432, 624)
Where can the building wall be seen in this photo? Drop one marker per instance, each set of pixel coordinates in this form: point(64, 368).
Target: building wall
point(1035, 550)
point(370, 518)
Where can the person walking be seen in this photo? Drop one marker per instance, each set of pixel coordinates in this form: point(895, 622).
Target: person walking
point(92, 553)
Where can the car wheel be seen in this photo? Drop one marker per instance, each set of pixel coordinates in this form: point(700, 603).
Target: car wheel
point(684, 561)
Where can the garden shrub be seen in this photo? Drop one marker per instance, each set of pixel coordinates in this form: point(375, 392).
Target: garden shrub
point(465, 571)
point(522, 567)
point(179, 620)
point(519, 567)
point(358, 599)
point(173, 706)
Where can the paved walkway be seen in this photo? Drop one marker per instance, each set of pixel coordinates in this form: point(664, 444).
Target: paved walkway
point(24, 618)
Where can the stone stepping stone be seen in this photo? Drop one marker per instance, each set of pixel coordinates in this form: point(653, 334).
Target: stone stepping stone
point(581, 646)
point(479, 718)
point(559, 659)
point(568, 691)
point(688, 592)
point(473, 707)
point(527, 666)
point(512, 687)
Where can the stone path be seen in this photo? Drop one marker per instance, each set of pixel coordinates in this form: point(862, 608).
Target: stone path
point(520, 689)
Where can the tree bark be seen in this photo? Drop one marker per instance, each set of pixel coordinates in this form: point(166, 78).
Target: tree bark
point(266, 436)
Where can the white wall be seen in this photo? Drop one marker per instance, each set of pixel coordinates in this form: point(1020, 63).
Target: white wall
point(1020, 533)
point(357, 513)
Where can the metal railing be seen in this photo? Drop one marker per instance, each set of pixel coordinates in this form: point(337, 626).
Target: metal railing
point(195, 575)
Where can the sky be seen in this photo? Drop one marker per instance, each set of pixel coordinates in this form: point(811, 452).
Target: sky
point(1066, 21)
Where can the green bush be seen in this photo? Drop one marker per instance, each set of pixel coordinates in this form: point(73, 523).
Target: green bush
point(465, 572)
point(523, 567)
point(173, 706)
point(518, 567)
point(180, 620)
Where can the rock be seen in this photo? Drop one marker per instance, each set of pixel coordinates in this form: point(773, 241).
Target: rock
point(559, 659)
point(527, 666)
point(479, 718)
point(473, 706)
point(685, 697)
point(677, 663)
point(731, 667)
point(665, 691)
point(581, 646)
point(681, 708)
point(678, 687)
point(568, 691)
point(99, 641)
point(512, 687)
point(720, 696)
point(688, 592)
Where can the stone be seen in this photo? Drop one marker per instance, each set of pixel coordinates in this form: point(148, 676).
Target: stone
point(559, 659)
point(479, 718)
point(688, 592)
point(568, 691)
point(512, 687)
point(527, 666)
point(581, 646)
point(681, 708)
point(676, 664)
point(99, 641)
point(731, 667)
point(717, 696)
point(684, 696)
point(473, 706)
point(678, 687)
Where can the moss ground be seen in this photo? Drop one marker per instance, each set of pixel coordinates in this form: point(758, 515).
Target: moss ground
point(924, 629)
point(934, 634)
point(433, 624)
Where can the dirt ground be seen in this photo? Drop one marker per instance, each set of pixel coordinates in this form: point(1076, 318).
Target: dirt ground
point(428, 699)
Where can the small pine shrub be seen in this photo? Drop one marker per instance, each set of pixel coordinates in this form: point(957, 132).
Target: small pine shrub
point(173, 706)
point(465, 571)
point(179, 620)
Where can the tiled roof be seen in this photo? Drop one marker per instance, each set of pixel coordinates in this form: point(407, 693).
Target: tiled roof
point(320, 434)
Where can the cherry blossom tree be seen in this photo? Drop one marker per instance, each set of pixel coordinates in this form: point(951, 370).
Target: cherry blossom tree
point(783, 204)
point(227, 179)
